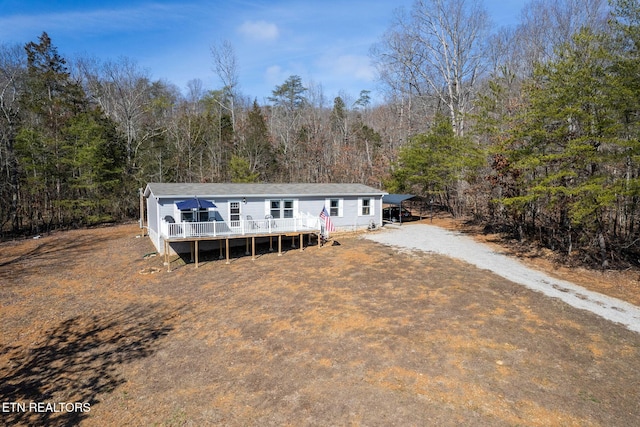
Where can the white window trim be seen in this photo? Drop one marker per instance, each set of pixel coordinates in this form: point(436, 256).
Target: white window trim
point(372, 204)
point(267, 206)
point(239, 202)
point(327, 205)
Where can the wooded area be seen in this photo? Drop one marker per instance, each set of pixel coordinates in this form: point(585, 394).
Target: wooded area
point(531, 130)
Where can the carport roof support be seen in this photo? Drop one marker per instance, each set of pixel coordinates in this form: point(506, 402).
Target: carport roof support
point(396, 199)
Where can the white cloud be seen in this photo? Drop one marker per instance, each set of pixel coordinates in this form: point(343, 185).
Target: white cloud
point(274, 75)
point(354, 66)
point(259, 30)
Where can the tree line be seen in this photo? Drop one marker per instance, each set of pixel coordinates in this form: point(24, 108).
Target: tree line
point(79, 139)
point(530, 129)
point(546, 146)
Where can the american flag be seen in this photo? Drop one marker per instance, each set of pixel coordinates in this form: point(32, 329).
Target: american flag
point(328, 225)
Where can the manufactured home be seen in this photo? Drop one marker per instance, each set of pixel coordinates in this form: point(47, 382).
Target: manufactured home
point(180, 214)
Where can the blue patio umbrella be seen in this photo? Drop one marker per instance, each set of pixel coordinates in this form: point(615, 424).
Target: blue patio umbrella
point(194, 203)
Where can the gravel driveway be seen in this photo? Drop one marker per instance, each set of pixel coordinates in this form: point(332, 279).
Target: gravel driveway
point(430, 238)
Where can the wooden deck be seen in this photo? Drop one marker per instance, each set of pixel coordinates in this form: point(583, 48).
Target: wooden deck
point(248, 229)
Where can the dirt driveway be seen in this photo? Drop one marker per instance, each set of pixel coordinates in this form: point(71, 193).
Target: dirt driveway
point(354, 334)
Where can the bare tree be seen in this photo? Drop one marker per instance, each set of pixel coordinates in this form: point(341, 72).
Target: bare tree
point(547, 24)
point(436, 51)
point(225, 65)
point(12, 72)
point(123, 91)
point(195, 92)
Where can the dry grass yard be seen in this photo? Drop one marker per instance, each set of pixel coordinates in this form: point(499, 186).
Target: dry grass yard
point(352, 334)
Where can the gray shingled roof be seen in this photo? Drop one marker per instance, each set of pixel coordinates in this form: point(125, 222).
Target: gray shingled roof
point(213, 190)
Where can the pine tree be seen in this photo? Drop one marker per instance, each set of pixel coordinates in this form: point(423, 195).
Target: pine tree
point(434, 164)
point(565, 147)
point(290, 94)
point(49, 100)
point(70, 155)
point(255, 145)
point(96, 161)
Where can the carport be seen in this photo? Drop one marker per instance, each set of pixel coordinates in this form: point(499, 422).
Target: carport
point(396, 200)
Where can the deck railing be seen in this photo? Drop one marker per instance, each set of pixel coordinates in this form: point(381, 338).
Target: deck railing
point(240, 228)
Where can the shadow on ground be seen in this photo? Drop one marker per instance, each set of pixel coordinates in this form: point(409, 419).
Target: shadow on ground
point(50, 255)
point(79, 359)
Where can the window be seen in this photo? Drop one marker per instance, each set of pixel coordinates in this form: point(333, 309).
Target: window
point(334, 207)
point(366, 207)
point(275, 208)
point(282, 208)
point(234, 211)
point(287, 209)
point(200, 215)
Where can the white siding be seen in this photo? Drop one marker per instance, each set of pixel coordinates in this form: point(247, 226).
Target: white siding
point(152, 214)
point(152, 222)
point(257, 207)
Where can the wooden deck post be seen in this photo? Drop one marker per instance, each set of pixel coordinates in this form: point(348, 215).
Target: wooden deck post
point(166, 256)
point(196, 243)
point(141, 192)
point(253, 248)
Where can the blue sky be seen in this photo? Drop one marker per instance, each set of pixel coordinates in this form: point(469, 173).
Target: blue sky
point(322, 41)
